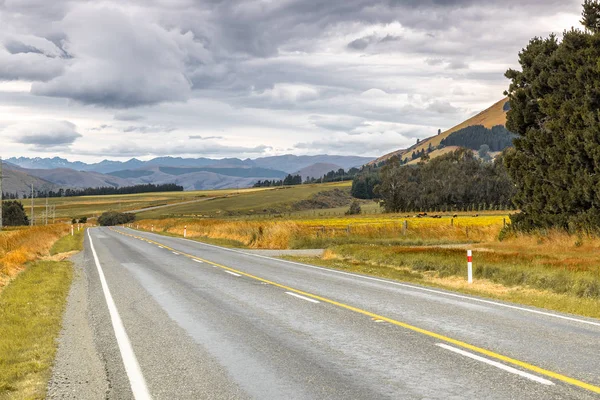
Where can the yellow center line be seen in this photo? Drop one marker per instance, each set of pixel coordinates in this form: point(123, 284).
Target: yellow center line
point(480, 350)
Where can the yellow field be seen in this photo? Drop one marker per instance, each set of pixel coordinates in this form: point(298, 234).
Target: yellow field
point(286, 233)
point(17, 247)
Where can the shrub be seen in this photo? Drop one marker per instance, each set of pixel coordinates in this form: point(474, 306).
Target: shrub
point(83, 220)
point(111, 218)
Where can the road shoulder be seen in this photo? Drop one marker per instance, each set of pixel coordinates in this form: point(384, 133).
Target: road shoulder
point(78, 371)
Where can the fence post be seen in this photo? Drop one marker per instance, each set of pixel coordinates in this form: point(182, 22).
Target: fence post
point(469, 266)
point(451, 221)
point(467, 232)
point(404, 227)
point(348, 230)
point(504, 222)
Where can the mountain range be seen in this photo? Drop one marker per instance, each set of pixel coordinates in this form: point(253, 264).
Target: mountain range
point(191, 173)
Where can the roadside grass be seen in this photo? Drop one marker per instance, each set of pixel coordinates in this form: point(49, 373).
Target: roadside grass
point(69, 243)
point(31, 309)
point(19, 246)
point(526, 279)
point(325, 232)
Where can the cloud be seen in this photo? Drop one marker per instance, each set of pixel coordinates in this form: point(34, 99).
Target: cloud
point(125, 116)
point(43, 135)
point(132, 149)
point(149, 128)
point(121, 61)
point(277, 72)
point(198, 137)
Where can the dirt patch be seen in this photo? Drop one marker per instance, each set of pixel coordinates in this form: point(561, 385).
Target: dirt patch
point(60, 256)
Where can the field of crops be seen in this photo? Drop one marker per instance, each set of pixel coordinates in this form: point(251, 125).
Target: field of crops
point(411, 221)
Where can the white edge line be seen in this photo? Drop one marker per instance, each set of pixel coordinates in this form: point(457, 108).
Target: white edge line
point(232, 273)
point(497, 365)
point(302, 297)
point(583, 321)
point(132, 367)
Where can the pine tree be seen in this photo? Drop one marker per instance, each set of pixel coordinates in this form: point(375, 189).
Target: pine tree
point(555, 110)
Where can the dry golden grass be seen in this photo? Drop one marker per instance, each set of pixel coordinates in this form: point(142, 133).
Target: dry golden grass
point(17, 247)
point(283, 234)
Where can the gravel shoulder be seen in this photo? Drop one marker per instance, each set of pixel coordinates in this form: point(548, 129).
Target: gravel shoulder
point(78, 371)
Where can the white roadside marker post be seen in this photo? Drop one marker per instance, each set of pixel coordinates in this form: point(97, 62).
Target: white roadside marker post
point(185, 231)
point(152, 227)
point(71, 229)
point(469, 266)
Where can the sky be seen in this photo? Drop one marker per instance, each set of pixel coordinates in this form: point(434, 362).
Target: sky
point(93, 80)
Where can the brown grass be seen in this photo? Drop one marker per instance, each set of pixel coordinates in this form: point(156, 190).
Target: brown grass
point(17, 247)
point(284, 234)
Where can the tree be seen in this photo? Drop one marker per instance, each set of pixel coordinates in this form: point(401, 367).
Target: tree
point(554, 108)
point(390, 188)
point(439, 131)
point(591, 16)
point(354, 208)
point(13, 214)
point(483, 152)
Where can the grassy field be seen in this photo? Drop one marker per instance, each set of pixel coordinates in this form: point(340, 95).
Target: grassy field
point(74, 207)
point(31, 306)
point(257, 203)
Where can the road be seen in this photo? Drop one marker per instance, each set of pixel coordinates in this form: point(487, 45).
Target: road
point(177, 319)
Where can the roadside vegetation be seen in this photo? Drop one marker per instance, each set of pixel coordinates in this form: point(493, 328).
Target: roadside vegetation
point(33, 292)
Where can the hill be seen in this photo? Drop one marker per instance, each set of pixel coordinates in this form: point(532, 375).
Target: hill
point(19, 182)
point(316, 170)
point(494, 115)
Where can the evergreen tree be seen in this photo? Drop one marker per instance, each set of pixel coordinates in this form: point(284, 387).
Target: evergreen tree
point(13, 214)
point(554, 108)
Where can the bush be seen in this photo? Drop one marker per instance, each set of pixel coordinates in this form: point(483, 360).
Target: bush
point(13, 214)
point(83, 220)
point(354, 208)
point(111, 218)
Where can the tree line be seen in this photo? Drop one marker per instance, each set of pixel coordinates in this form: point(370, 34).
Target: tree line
point(455, 181)
point(473, 137)
point(101, 191)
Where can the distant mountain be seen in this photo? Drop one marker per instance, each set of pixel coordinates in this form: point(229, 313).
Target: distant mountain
point(46, 163)
point(19, 182)
point(492, 116)
point(286, 163)
point(69, 178)
point(317, 170)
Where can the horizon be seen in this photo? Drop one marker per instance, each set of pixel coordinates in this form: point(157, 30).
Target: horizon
point(252, 79)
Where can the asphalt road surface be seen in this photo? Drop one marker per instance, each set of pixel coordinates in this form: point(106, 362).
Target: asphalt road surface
point(169, 318)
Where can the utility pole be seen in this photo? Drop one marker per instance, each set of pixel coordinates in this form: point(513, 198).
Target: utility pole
point(32, 204)
point(1, 195)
